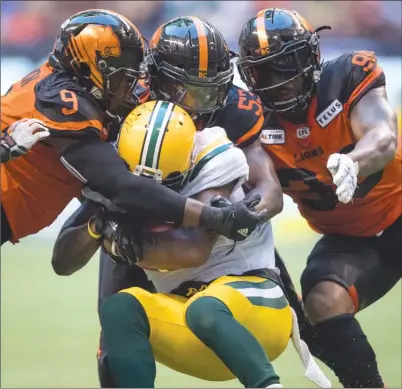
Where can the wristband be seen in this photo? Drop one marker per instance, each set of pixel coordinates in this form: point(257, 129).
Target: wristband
point(90, 232)
point(211, 218)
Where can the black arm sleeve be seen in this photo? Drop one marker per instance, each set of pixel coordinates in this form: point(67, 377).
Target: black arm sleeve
point(4, 154)
point(82, 214)
point(98, 165)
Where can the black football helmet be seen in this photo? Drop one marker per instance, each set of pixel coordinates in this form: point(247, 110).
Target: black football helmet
point(189, 64)
point(103, 50)
point(279, 59)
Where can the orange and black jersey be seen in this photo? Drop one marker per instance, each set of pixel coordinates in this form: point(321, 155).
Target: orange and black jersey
point(36, 186)
point(241, 117)
point(300, 153)
point(55, 98)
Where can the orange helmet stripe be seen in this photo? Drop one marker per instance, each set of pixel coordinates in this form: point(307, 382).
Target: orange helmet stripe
point(202, 44)
point(95, 76)
point(156, 37)
point(261, 33)
point(78, 58)
point(124, 19)
point(72, 51)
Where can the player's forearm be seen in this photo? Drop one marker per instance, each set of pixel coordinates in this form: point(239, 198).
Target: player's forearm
point(105, 172)
point(73, 250)
point(178, 249)
point(263, 180)
point(271, 199)
point(183, 247)
point(374, 151)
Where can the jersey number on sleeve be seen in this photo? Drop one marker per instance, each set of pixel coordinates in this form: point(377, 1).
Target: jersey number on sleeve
point(313, 193)
point(365, 59)
point(70, 98)
point(247, 102)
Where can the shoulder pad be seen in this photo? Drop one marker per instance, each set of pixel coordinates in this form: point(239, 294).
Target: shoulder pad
point(241, 117)
point(65, 105)
point(217, 162)
point(347, 79)
point(208, 144)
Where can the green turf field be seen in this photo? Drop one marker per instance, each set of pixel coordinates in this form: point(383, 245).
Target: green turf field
point(49, 325)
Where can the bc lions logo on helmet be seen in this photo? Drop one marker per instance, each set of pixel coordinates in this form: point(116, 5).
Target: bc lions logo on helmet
point(109, 45)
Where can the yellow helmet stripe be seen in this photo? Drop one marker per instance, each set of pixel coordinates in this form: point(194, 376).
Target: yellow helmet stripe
point(156, 130)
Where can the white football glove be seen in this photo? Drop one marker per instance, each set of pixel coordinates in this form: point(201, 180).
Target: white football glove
point(26, 132)
point(344, 174)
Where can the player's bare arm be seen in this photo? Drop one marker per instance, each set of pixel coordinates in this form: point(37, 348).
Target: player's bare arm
point(184, 247)
point(171, 250)
point(374, 124)
point(263, 180)
point(74, 246)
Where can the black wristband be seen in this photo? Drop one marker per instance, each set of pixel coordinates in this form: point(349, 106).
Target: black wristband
point(211, 218)
point(8, 146)
point(4, 153)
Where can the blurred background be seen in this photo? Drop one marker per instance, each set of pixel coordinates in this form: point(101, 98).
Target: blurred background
point(49, 325)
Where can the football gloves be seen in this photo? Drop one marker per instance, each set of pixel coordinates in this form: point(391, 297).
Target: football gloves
point(22, 135)
point(235, 221)
point(124, 239)
point(344, 174)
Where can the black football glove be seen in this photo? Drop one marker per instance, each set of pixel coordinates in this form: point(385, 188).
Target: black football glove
point(235, 221)
point(219, 201)
point(125, 239)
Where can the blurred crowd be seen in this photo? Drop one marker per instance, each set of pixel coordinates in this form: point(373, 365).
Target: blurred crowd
point(29, 27)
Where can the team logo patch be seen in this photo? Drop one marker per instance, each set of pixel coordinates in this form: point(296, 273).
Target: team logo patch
point(274, 136)
point(329, 113)
point(303, 132)
point(243, 232)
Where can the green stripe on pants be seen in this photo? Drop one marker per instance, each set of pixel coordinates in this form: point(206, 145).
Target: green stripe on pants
point(264, 294)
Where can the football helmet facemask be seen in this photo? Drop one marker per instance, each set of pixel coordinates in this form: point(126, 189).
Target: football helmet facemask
point(189, 64)
point(103, 50)
point(279, 59)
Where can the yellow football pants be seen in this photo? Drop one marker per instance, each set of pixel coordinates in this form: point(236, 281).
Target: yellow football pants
point(256, 303)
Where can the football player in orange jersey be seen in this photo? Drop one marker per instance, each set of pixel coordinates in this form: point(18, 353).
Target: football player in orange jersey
point(90, 80)
point(332, 136)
